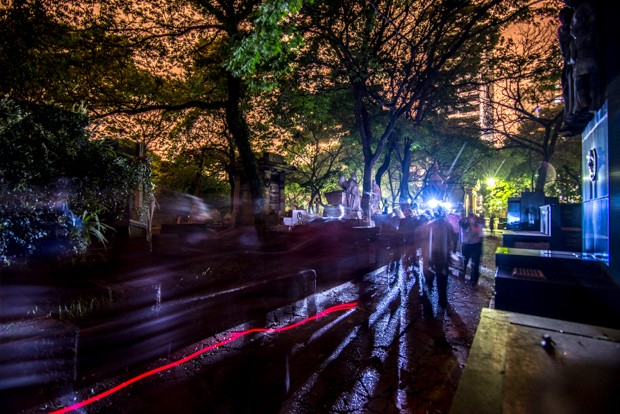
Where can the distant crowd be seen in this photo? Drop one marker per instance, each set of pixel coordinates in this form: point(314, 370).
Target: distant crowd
point(426, 239)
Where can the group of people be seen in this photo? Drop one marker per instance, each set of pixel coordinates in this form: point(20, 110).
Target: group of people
point(430, 237)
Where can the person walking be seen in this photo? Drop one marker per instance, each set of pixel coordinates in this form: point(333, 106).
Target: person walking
point(407, 228)
point(436, 245)
point(471, 239)
point(492, 225)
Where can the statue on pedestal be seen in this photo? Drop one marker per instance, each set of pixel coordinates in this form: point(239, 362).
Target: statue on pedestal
point(585, 53)
point(565, 39)
point(352, 196)
point(579, 39)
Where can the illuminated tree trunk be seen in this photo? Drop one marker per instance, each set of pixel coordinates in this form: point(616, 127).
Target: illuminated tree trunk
point(363, 123)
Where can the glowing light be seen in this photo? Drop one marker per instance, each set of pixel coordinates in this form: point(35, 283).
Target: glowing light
point(341, 211)
point(433, 203)
point(491, 182)
point(233, 337)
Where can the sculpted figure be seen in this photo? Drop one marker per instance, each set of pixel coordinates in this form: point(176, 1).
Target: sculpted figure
point(351, 187)
point(585, 52)
point(565, 39)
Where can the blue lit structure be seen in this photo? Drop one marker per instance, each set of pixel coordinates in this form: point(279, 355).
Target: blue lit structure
point(582, 285)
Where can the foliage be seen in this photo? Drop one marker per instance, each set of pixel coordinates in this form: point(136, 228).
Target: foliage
point(34, 225)
point(496, 196)
point(54, 170)
point(93, 228)
point(50, 51)
point(525, 105)
point(296, 196)
point(271, 45)
point(318, 146)
point(187, 174)
point(28, 37)
point(183, 72)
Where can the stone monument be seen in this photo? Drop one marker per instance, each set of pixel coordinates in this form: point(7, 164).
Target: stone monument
point(345, 204)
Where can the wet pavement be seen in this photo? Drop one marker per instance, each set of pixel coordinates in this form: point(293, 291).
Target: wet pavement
point(390, 350)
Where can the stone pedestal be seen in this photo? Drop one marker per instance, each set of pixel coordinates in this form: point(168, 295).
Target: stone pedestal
point(338, 207)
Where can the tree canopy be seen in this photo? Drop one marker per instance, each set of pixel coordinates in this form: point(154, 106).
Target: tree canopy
point(385, 88)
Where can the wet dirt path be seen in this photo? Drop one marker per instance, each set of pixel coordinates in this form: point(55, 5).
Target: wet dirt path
point(395, 352)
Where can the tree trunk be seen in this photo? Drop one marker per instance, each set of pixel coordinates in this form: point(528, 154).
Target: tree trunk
point(384, 166)
point(543, 171)
point(366, 190)
point(363, 123)
point(241, 135)
point(405, 194)
point(197, 184)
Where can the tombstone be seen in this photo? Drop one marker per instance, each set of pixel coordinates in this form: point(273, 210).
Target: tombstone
point(273, 169)
point(344, 204)
point(135, 221)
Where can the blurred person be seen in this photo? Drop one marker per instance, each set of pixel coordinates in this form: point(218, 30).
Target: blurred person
point(471, 239)
point(437, 243)
point(453, 218)
point(407, 228)
point(392, 239)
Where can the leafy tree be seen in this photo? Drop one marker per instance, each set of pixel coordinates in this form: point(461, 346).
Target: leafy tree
point(57, 183)
point(397, 58)
point(31, 49)
point(193, 172)
point(447, 146)
point(70, 53)
point(527, 109)
point(496, 195)
point(316, 142)
point(124, 57)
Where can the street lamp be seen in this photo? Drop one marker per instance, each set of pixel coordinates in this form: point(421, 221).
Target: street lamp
point(491, 182)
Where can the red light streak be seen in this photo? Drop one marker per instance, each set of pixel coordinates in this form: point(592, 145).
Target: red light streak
point(233, 337)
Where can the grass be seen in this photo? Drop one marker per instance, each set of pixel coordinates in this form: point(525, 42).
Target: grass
point(490, 244)
point(82, 308)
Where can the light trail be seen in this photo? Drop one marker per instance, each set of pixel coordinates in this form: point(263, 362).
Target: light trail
point(233, 337)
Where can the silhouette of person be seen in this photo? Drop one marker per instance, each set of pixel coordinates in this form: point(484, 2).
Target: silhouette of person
point(436, 244)
point(407, 228)
point(471, 242)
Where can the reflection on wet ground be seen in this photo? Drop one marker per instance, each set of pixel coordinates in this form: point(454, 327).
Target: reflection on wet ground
point(395, 352)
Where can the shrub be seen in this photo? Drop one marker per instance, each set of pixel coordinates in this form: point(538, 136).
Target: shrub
point(56, 183)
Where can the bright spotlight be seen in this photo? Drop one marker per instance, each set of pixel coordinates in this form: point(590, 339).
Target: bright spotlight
point(433, 203)
point(491, 182)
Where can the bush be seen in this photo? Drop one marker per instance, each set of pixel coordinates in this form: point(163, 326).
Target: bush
point(55, 182)
point(34, 226)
